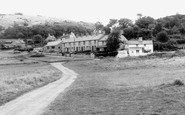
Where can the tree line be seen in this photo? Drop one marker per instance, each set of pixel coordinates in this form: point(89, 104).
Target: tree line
point(56, 29)
point(166, 32)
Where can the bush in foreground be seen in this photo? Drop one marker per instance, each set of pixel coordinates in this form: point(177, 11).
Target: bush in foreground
point(178, 83)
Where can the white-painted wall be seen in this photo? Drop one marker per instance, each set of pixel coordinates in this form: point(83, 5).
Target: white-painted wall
point(56, 48)
point(137, 50)
point(122, 54)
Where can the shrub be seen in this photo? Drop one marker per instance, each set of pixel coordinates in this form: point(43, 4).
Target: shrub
point(181, 41)
point(162, 37)
point(178, 83)
point(113, 41)
point(168, 46)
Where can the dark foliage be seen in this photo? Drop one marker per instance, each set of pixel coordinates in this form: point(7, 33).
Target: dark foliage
point(158, 28)
point(178, 83)
point(181, 41)
point(113, 41)
point(107, 30)
point(162, 37)
point(168, 46)
point(131, 32)
point(145, 33)
point(144, 22)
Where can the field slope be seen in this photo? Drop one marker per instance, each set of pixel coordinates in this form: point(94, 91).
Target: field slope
point(124, 87)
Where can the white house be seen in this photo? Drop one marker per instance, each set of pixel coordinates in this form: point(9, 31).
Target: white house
point(139, 47)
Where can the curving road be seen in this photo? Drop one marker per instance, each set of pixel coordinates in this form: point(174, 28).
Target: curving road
point(34, 102)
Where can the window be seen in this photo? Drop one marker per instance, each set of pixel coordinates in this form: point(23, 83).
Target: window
point(94, 41)
point(83, 42)
point(144, 44)
point(102, 42)
point(137, 51)
point(137, 45)
point(53, 47)
point(78, 43)
point(64, 44)
point(89, 42)
point(58, 47)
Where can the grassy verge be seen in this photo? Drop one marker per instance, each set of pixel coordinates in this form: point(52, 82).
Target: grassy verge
point(124, 87)
point(18, 79)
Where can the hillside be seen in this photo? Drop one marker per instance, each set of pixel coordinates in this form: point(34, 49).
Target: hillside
point(15, 26)
point(8, 20)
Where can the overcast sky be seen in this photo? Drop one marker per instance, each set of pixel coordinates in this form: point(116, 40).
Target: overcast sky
point(94, 10)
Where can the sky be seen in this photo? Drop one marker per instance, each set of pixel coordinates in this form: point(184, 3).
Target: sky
point(94, 10)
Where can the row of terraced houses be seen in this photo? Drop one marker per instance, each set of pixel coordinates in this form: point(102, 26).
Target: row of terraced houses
point(71, 43)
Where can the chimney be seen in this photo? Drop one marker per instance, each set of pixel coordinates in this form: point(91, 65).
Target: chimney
point(140, 39)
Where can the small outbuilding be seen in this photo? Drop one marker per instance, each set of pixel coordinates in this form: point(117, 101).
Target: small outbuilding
point(54, 46)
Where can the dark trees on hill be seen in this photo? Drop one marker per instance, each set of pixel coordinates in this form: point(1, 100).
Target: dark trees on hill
point(158, 28)
point(99, 26)
point(162, 37)
point(57, 30)
point(112, 22)
point(38, 40)
point(107, 30)
point(131, 32)
point(125, 23)
point(144, 22)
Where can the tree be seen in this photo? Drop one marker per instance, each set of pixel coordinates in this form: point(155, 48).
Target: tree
point(139, 15)
point(38, 40)
point(107, 30)
point(98, 26)
point(158, 28)
point(112, 22)
point(125, 23)
point(162, 37)
point(1, 28)
point(113, 41)
point(175, 30)
point(144, 22)
point(42, 30)
point(131, 32)
point(145, 33)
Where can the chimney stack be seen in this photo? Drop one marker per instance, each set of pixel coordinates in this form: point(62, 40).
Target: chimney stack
point(140, 39)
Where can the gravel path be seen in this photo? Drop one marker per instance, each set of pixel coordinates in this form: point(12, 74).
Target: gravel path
point(34, 102)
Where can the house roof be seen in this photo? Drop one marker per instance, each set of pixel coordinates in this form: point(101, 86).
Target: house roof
point(54, 43)
point(123, 38)
point(134, 42)
point(84, 38)
point(103, 38)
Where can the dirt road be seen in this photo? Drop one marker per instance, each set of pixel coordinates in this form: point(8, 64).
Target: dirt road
point(33, 103)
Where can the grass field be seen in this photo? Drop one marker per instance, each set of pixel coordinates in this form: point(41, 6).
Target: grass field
point(18, 79)
point(20, 74)
point(130, 86)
